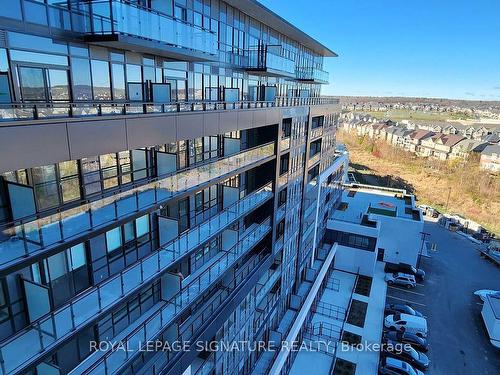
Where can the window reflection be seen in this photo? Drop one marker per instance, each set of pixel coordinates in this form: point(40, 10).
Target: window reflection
point(59, 89)
point(82, 86)
point(45, 184)
point(100, 79)
point(32, 84)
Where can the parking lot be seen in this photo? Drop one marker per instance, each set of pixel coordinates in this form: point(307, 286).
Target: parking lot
point(458, 341)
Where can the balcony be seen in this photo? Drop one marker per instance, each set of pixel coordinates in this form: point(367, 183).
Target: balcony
point(271, 60)
point(95, 302)
point(284, 144)
point(314, 159)
point(310, 74)
point(120, 24)
point(54, 110)
point(202, 233)
point(316, 132)
point(111, 361)
point(34, 237)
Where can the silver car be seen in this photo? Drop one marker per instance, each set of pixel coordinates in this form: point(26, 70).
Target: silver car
point(402, 279)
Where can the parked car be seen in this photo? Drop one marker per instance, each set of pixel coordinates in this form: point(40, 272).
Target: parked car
point(482, 293)
point(417, 342)
point(406, 353)
point(392, 308)
point(405, 268)
point(406, 323)
point(393, 366)
point(402, 279)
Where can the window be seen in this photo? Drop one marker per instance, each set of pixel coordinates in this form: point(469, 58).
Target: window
point(109, 170)
point(284, 163)
point(118, 75)
point(286, 127)
point(4, 307)
point(125, 167)
point(91, 175)
point(58, 84)
point(282, 197)
point(317, 122)
point(45, 186)
point(313, 173)
point(142, 226)
point(82, 85)
point(113, 239)
point(100, 80)
point(352, 240)
point(183, 214)
point(69, 180)
point(76, 258)
point(32, 82)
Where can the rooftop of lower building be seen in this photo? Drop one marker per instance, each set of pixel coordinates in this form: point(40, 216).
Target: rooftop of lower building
point(359, 200)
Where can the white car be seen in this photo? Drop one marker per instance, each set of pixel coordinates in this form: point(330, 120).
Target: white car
point(406, 323)
point(402, 279)
point(482, 293)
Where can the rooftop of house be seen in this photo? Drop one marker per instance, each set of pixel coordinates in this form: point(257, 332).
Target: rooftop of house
point(491, 149)
point(492, 138)
point(358, 200)
point(447, 139)
point(468, 145)
point(421, 134)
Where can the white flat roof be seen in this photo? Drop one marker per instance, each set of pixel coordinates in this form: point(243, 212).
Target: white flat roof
point(363, 199)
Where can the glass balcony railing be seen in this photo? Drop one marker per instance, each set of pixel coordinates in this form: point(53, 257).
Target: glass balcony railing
point(280, 213)
point(314, 159)
point(205, 314)
point(35, 236)
point(193, 238)
point(88, 306)
point(111, 361)
point(316, 132)
point(312, 74)
point(51, 110)
point(267, 286)
point(119, 16)
point(271, 58)
point(284, 144)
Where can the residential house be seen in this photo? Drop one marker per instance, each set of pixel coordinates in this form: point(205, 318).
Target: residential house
point(466, 147)
point(490, 158)
point(450, 129)
point(492, 138)
point(438, 146)
point(401, 138)
point(414, 139)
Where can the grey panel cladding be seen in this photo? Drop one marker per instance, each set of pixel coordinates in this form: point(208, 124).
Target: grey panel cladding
point(89, 138)
point(43, 142)
point(150, 131)
point(189, 126)
point(32, 145)
point(325, 109)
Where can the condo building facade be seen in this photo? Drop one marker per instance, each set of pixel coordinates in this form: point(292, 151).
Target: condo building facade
point(167, 171)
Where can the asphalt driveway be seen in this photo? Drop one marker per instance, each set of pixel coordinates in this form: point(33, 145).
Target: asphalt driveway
point(458, 342)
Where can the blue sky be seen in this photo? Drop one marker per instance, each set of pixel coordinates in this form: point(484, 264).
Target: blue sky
point(428, 48)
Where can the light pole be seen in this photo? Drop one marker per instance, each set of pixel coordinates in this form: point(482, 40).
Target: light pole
point(423, 236)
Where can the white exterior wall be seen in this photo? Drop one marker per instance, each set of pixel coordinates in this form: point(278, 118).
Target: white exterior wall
point(351, 259)
point(400, 238)
point(355, 260)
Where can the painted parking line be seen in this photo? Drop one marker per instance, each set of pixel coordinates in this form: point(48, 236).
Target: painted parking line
point(407, 301)
point(406, 291)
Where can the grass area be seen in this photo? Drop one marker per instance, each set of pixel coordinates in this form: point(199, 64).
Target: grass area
point(406, 114)
point(450, 186)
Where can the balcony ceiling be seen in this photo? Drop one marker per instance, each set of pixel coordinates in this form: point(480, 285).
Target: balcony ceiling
point(267, 16)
